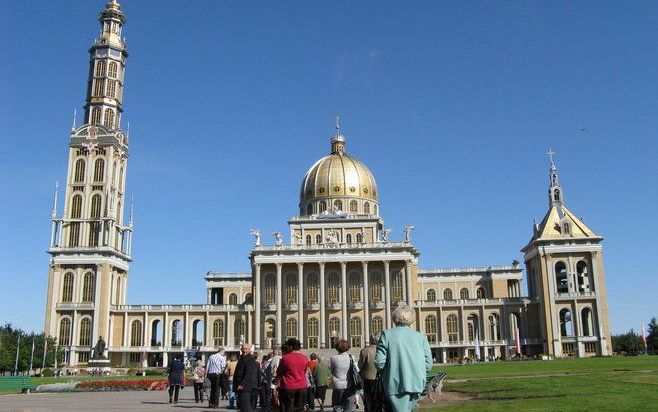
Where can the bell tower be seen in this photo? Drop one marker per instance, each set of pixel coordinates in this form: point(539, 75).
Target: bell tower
point(90, 243)
point(564, 267)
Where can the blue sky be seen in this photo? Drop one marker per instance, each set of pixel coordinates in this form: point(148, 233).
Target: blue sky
point(451, 105)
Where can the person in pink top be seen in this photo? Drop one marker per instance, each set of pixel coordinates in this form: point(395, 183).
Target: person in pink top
point(291, 376)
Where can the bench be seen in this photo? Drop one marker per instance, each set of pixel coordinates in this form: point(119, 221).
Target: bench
point(24, 383)
point(434, 385)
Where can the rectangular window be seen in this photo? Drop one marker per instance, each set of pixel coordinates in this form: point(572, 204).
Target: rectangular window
point(590, 347)
point(83, 357)
point(313, 342)
point(355, 341)
point(567, 349)
point(135, 357)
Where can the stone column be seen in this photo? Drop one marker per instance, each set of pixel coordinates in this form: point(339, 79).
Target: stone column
point(230, 333)
point(366, 304)
point(279, 305)
point(407, 270)
point(300, 303)
point(343, 296)
point(125, 330)
point(257, 307)
point(165, 332)
point(387, 293)
point(323, 304)
point(209, 296)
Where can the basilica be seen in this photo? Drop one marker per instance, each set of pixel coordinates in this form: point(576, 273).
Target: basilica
point(338, 276)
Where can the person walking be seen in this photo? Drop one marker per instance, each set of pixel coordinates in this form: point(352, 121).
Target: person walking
point(398, 357)
point(369, 373)
point(246, 379)
point(199, 377)
point(230, 371)
point(291, 377)
point(176, 370)
point(321, 375)
point(343, 394)
point(216, 365)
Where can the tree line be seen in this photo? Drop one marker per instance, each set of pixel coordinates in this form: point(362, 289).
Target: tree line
point(8, 342)
point(631, 343)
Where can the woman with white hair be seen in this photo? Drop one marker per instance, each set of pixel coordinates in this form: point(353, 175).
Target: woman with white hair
point(398, 359)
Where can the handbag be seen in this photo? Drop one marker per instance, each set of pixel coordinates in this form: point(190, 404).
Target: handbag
point(206, 383)
point(379, 395)
point(353, 376)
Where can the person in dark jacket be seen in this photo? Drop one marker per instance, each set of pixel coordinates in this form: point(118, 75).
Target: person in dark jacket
point(246, 380)
point(176, 371)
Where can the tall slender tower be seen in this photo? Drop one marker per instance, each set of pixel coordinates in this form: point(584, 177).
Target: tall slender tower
point(90, 244)
point(564, 261)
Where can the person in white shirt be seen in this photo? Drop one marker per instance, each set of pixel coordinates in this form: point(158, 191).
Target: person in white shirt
point(215, 366)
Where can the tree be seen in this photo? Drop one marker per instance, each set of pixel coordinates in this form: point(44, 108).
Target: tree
point(652, 338)
point(629, 343)
point(8, 341)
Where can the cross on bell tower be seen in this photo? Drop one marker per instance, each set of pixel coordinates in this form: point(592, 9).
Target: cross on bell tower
point(555, 192)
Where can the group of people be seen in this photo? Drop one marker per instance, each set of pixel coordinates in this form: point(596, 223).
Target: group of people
point(389, 374)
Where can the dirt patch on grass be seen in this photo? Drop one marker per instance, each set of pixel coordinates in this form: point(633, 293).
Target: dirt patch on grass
point(447, 398)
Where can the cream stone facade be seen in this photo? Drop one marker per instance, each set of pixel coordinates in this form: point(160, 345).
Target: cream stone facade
point(338, 276)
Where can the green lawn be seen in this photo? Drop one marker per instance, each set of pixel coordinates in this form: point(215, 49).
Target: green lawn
point(617, 384)
point(64, 379)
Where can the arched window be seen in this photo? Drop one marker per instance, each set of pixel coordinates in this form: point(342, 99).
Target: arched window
point(113, 70)
point(318, 239)
point(396, 286)
point(473, 327)
point(561, 282)
point(85, 332)
point(95, 115)
point(76, 207)
point(313, 288)
point(355, 332)
point(232, 299)
point(270, 289)
point(136, 333)
point(481, 294)
point(198, 333)
point(376, 287)
point(111, 88)
point(566, 327)
point(94, 227)
point(79, 175)
point(156, 333)
point(359, 238)
point(309, 240)
point(584, 284)
point(374, 207)
point(291, 288)
point(218, 332)
point(348, 238)
point(355, 288)
point(366, 208)
point(109, 118)
point(334, 331)
point(452, 328)
point(88, 288)
point(309, 209)
point(67, 287)
point(99, 170)
point(121, 180)
point(248, 299)
point(354, 206)
point(333, 289)
point(312, 332)
point(177, 333)
point(100, 68)
point(463, 293)
point(118, 289)
point(376, 324)
point(447, 294)
point(322, 206)
point(430, 329)
point(338, 205)
point(291, 328)
point(494, 327)
point(64, 338)
point(431, 295)
point(239, 331)
point(98, 88)
point(586, 315)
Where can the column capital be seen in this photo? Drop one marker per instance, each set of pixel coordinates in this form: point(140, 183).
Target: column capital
point(321, 264)
point(279, 266)
point(364, 263)
point(300, 265)
point(343, 264)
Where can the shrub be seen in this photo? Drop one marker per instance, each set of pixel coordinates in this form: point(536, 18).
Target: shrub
point(47, 372)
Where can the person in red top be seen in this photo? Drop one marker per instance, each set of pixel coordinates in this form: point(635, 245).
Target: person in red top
point(291, 376)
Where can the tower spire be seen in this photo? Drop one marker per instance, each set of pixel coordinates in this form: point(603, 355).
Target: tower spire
point(555, 193)
point(54, 212)
point(107, 60)
point(338, 141)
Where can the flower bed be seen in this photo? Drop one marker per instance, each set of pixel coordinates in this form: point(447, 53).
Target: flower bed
point(123, 385)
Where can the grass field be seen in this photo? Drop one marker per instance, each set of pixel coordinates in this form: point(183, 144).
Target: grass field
point(600, 384)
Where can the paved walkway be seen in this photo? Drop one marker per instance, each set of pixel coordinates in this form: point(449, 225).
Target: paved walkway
point(103, 401)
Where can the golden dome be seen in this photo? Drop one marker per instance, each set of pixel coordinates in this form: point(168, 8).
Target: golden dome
point(340, 183)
